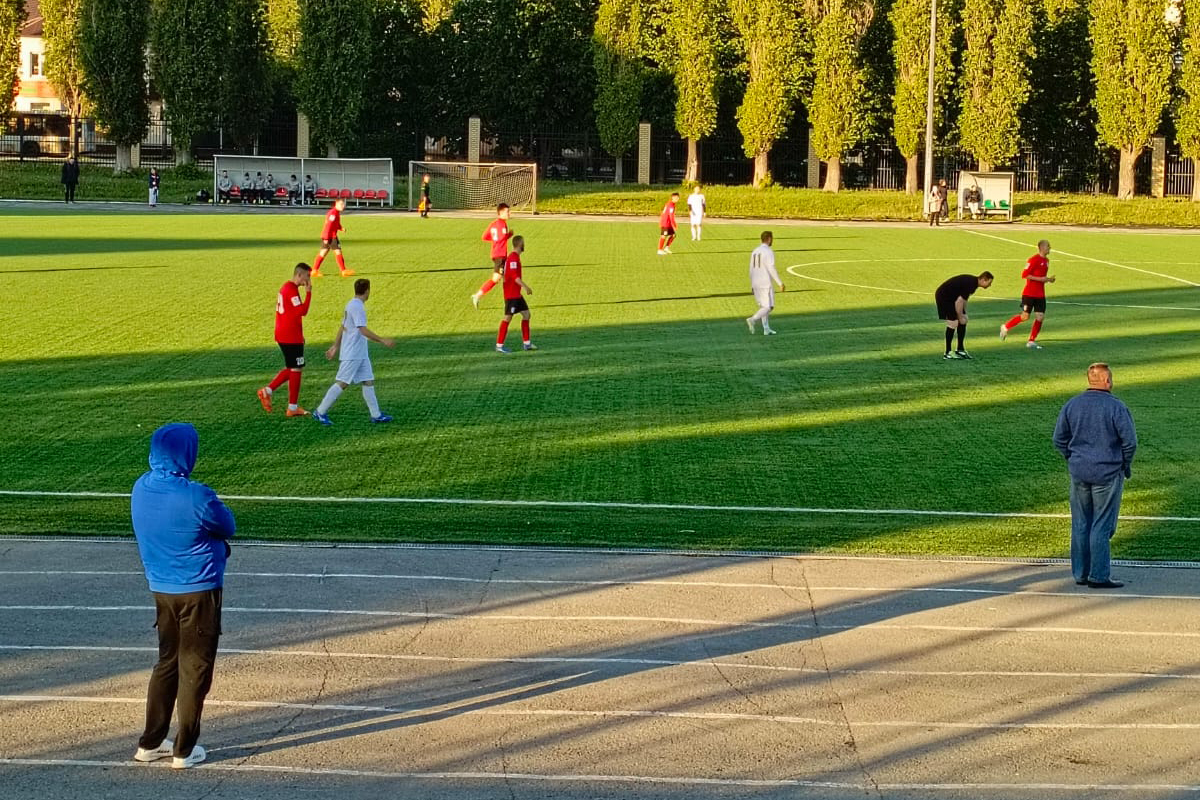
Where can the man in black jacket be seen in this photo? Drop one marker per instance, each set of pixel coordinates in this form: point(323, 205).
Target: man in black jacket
point(70, 177)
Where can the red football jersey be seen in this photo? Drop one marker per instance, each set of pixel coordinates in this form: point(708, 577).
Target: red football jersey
point(512, 274)
point(498, 234)
point(289, 314)
point(1038, 266)
point(333, 224)
point(667, 218)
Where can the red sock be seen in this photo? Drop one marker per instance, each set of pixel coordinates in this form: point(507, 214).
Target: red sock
point(1014, 322)
point(1037, 328)
point(341, 261)
point(280, 379)
point(525, 331)
point(670, 239)
point(488, 285)
point(661, 241)
point(317, 263)
point(293, 386)
point(503, 334)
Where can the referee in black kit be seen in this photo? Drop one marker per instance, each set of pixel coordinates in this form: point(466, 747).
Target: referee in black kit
point(951, 299)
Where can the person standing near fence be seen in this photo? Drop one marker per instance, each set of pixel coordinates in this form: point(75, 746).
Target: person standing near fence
point(70, 178)
point(153, 182)
point(182, 530)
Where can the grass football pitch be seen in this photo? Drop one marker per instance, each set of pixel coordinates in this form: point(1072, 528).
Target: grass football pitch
point(647, 393)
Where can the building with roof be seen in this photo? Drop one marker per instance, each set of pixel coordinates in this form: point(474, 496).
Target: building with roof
point(34, 92)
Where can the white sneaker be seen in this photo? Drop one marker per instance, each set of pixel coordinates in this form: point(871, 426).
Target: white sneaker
point(769, 331)
point(750, 323)
point(475, 301)
point(1033, 345)
point(667, 250)
point(662, 252)
point(195, 757)
point(1003, 332)
point(162, 751)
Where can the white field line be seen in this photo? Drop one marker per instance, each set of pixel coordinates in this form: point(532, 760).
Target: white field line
point(369, 576)
point(1088, 258)
point(808, 626)
point(616, 713)
point(527, 777)
point(459, 501)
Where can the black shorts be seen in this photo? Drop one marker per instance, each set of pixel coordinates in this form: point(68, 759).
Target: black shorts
point(515, 306)
point(946, 309)
point(498, 264)
point(1033, 305)
point(293, 355)
point(668, 231)
point(334, 244)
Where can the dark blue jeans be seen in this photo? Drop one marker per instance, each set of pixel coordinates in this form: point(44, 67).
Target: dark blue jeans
point(1094, 509)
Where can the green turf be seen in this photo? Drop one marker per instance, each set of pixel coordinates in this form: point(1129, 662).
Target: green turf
point(647, 389)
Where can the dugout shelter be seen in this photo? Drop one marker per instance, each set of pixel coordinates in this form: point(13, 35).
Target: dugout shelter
point(995, 193)
point(359, 181)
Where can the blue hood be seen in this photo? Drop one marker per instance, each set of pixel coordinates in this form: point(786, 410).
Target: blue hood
point(173, 449)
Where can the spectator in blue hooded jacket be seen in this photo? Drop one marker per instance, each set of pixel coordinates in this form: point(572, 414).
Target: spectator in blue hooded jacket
point(181, 528)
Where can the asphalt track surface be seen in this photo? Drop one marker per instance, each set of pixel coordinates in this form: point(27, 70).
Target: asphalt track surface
point(520, 673)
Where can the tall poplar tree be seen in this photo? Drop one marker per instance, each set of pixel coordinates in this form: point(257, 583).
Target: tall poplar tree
point(693, 27)
point(910, 48)
point(772, 34)
point(64, 57)
point(335, 43)
point(1131, 62)
point(1187, 112)
point(12, 17)
point(246, 80)
point(113, 40)
point(836, 106)
point(619, 76)
point(188, 40)
point(999, 36)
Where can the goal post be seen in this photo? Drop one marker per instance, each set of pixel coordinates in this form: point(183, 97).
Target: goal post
point(469, 185)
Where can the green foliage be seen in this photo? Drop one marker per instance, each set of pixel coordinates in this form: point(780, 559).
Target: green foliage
point(283, 31)
point(335, 44)
point(113, 44)
point(188, 41)
point(64, 60)
point(246, 90)
point(995, 77)
point(835, 108)
point(1131, 62)
point(435, 12)
point(619, 74)
point(910, 24)
point(776, 61)
point(12, 16)
point(693, 28)
point(1187, 110)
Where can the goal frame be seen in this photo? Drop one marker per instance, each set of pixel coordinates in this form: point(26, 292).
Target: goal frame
point(467, 167)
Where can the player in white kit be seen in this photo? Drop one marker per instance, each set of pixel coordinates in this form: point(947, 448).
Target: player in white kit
point(355, 366)
point(762, 274)
point(696, 211)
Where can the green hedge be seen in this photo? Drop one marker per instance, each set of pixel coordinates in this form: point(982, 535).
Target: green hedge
point(23, 181)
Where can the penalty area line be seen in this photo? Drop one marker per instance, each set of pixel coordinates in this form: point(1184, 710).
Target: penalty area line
point(599, 504)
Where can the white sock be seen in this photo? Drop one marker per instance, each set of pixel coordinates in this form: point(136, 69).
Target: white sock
point(761, 314)
point(268, 390)
point(372, 403)
point(331, 397)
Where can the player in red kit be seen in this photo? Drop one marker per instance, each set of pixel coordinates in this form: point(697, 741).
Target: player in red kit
point(289, 334)
point(666, 224)
point(329, 240)
point(1033, 297)
point(498, 233)
point(514, 303)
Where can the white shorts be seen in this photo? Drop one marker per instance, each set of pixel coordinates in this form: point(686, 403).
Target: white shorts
point(697, 219)
point(765, 296)
point(356, 370)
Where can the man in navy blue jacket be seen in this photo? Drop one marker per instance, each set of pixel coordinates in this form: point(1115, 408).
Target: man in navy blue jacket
point(1095, 434)
point(181, 528)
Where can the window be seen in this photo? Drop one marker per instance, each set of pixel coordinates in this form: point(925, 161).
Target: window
point(35, 66)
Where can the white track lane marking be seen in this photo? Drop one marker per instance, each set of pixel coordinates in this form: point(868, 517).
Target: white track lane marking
point(508, 777)
point(455, 501)
point(320, 576)
point(1087, 258)
point(784, 719)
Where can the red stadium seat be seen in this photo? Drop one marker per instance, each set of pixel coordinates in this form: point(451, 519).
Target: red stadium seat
point(370, 195)
point(359, 194)
point(320, 194)
point(383, 196)
point(346, 194)
point(281, 193)
point(235, 191)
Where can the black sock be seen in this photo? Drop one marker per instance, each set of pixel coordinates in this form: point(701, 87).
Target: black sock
point(949, 338)
point(962, 331)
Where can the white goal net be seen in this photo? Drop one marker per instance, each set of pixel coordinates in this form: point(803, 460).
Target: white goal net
point(473, 185)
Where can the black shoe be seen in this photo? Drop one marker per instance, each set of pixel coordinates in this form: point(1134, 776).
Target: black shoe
point(1104, 584)
point(1081, 583)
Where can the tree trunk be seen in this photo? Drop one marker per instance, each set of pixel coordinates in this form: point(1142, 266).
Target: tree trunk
point(1129, 157)
point(331, 151)
point(761, 169)
point(692, 175)
point(912, 181)
point(1196, 180)
point(985, 166)
point(124, 158)
point(833, 175)
point(617, 171)
point(183, 154)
